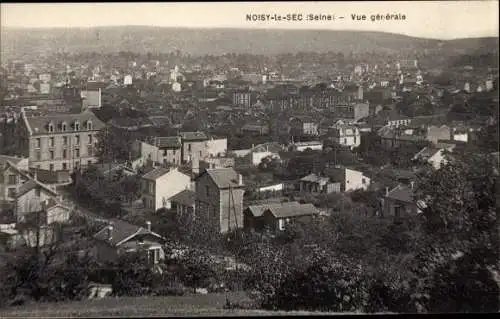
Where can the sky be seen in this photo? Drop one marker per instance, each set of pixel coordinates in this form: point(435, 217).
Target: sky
point(428, 19)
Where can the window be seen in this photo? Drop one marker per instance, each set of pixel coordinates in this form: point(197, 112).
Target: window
point(64, 166)
point(281, 224)
point(51, 167)
point(64, 126)
point(38, 155)
point(89, 125)
point(51, 142)
point(12, 179)
point(345, 141)
point(354, 139)
point(38, 142)
point(200, 154)
point(77, 139)
point(363, 181)
point(51, 127)
point(65, 153)
point(151, 188)
point(90, 138)
point(37, 192)
point(65, 140)
point(77, 126)
point(77, 152)
point(51, 154)
point(89, 150)
point(11, 192)
point(189, 147)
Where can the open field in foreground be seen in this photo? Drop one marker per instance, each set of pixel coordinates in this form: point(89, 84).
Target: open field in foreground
point(190, 305)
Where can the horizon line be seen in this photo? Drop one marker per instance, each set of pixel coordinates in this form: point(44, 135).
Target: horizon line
point(237, 28)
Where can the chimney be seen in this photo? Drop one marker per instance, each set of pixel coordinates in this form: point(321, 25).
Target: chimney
point(148, 225)
point(240, 179)
point(411, 184)
point(386, 191)
point(110, 232)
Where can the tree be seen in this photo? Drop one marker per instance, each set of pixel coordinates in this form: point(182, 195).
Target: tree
point(459, 218)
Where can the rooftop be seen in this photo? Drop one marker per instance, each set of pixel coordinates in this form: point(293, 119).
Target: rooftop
point(156, 173)
point(224, 177)
point(40, 124)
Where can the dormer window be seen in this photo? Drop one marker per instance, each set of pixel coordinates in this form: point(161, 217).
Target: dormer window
point(89, 125)
point(77, 126)
point(64, 126)
point(51, 127)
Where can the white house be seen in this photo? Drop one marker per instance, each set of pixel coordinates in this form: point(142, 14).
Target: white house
point(216, 147)
point(349, 179)
point(160, 184)
point(346, 135)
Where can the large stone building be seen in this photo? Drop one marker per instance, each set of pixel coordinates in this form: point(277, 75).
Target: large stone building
point(59, 142)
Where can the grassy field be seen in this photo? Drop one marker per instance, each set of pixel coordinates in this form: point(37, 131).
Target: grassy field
point(190, 305)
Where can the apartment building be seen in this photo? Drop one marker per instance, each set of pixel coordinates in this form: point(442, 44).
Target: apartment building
point(59, 142)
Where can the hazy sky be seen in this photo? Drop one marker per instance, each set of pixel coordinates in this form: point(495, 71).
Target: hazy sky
point(432, 19)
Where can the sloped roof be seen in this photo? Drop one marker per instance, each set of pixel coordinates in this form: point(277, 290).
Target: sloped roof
point(168, 142)
point(223, 177)
point(401, 193)
point(292, 209)
point(193, 136)
point(14, 160)
point(121, 231)
point(40, 124)
point(186, 197)
point(32, 184)
point(427, 152)
point(313, 178)
point(156, 173)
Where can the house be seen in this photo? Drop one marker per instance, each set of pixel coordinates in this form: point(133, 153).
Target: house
point(120, 237)
point(161, 150)
point(399, 202)
point(219, 199)
point(193, 143)
point(183, 203)
point(22, 163)
point(313, 183)
point(160, 184)
point(312, 145)
point(216, 147)
point(303, 126)
point(59, 142)
point(349, 179)
point(431, 155)
point(275, 216)
point(346, 135)
point(34, 196)
point(92, 91)
point(11, 178)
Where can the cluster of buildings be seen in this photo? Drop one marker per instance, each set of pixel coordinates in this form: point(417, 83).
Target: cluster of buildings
point(51, 122)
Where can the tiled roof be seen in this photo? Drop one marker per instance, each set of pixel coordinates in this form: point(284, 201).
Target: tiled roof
point(156, 173)
point(121, 230)
point(401, 193)
point(313, 178)
point(291, 209)
point(94, 85)
point(193, 136)
point(186, 197)
point(224, 177)
point(30, 185)
point(168, 142)
point(40, 124)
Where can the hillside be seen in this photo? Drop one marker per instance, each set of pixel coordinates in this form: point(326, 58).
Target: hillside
point(220, 41)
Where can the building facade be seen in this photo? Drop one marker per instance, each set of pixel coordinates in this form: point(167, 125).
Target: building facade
point(59, 142)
